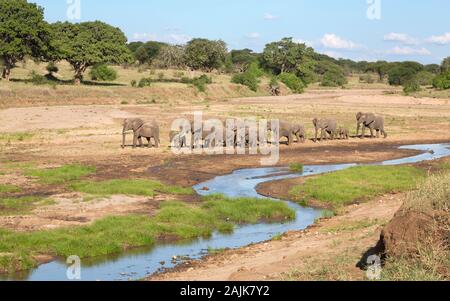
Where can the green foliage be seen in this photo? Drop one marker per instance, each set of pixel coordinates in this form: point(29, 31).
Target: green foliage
point(412, 86)
point(38, 79)
point(16, 137)
point(424, 78)
point(113, 235)
point(433, 68)
point(128, 187)
point(380, 67)
point(292, 82)
point(103, 73)
point(147, 52)
point(201, 82)
point(284, 56)
point(366, 78)
point(333, 78)
point(144, 82)
point(247, 79)
point(90, 43)
point(442, 81)
point(445, 66)
point(17, 205)
point(297, 167)
point(242, 59)
point(23, 32)
point(62, 174)
point(133, 83)
point(357, 184)
point(170, 56)
point(52, 68)
point(203, 54)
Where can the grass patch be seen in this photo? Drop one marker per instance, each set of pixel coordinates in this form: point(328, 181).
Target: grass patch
point(297, 167)
point(128, 187)
point(213, 251)
point(16, 137)
point(353, 226)
point(115, 234)
point(357, 184)
point(18, 206)
point(6, 188)
point(62, 174)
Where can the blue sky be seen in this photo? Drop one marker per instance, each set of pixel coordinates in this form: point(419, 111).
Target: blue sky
point(357, 29)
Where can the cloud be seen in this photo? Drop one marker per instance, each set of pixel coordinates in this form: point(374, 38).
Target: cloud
point(270, 17)
point(409, 51)
point(253, 36)
point(173, 38)
point(333, 54)
point(402, 38)
point(335, 42)
point(441, 40)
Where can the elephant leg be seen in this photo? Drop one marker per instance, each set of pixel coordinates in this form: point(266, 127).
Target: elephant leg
point(141, 144)
point(378, 134)
point(149, 140)
point(363, 134)
point(371, 133)
point(135, 138)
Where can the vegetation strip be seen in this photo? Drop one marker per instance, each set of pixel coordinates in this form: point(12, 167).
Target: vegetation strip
point(174, 220)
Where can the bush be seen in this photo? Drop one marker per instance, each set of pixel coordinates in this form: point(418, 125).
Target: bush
point(333, 78)
point(144, 82)
point(247, 79)
point(411, 87)
point(38, 79)
point(201, 82)
point(134, 83)
point(367, 78)
point(424, 78)
point(52, 68)
point(442, 81)
point(103, 73)
point(292, 81)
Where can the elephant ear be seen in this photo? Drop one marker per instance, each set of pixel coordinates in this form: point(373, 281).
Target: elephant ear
point(137, 124)
point(359, 115)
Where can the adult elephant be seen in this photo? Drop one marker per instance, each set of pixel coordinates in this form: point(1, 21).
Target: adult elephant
point(286, 130)
point(326, 126)
point(372, 122)
point(141, 129)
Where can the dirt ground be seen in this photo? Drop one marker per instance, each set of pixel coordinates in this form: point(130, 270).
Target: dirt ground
point(91, 135)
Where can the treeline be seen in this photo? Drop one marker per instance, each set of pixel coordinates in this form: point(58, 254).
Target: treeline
point(25, 34)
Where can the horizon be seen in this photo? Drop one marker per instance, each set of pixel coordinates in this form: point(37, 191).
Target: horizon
point(360, 30)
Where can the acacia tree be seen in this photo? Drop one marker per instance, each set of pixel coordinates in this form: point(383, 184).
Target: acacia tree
point(23, 32)
point(285, 55)
point(90, 43)
point(445, 66)
point(203, 54)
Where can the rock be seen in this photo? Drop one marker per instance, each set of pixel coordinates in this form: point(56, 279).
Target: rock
point(205, 188)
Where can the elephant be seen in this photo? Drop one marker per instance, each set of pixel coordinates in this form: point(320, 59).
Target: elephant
point(141, 130)
point(286, 130)
point(343, 133)
point(371, 121)
point(326, 126)
point(298, 130)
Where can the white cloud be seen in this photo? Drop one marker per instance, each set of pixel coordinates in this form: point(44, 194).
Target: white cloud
point(270, 17)
point(335, 42)
point(441, 40)
point(402, 38)
point(173, 38)
point(253, 35)
point(409, 51)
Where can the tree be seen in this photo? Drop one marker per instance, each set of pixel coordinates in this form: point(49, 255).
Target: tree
point(404, 72)
point(103, 73)
point(445, 66)
point(90, 43)
point(23, 32)
point(442, 81)
point(380, 67)
point(241, 59)
point(333, 78)
point(170, 56)
point(146, 53)
point(133, 46)
point(433, 68)
point(203, 54)
point(284, 56)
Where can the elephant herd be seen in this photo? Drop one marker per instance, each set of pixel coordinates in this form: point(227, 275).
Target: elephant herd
point(327, 128)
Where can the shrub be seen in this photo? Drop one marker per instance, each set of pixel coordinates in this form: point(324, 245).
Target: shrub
point(144, 82)
point(367, 78)
point(201, 82)
point(52, 68)
point(442, 81)
point(424, 78)
point(333, 78)
point(292, 82)
point(134, 83)
point(38, 79)
point(103, 73)
point(247, 79)
point(411, 87)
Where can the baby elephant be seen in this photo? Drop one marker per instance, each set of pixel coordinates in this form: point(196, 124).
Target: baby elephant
point(343, 133)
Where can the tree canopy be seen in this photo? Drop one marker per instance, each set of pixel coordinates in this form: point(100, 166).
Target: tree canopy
point(90, 43)
point(203, 54)
point(23, 32)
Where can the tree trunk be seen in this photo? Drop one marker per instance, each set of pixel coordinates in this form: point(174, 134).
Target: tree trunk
point(6, 74)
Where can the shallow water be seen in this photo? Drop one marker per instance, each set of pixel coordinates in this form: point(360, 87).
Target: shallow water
point(139, 263)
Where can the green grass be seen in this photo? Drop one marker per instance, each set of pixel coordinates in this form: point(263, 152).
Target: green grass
point(16, 137)
point(6, 188)
point(116, 234)
point(357, 184)
point(62, 174)
point(128, 187)
point(17, 206)
point(296, 167)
